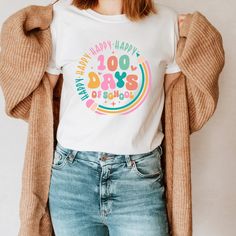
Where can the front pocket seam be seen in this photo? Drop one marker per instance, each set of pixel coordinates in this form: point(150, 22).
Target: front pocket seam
point(134, 167)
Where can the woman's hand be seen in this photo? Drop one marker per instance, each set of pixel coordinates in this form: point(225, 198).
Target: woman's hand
point(181, 18)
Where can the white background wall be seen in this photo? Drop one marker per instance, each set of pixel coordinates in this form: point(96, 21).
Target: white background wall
point(213, 148)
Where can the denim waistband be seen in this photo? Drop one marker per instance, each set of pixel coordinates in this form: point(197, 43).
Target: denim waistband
point(97, 155)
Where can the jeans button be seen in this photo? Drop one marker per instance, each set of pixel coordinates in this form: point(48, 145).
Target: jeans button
point(71, 157)
point(103, 158)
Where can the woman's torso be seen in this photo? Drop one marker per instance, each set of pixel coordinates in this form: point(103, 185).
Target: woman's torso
point(113, 72)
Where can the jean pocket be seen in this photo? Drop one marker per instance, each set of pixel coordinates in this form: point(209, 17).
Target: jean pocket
point(59, 160)
point(149, 164)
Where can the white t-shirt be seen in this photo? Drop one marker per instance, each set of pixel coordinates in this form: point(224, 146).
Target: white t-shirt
point(113, 71)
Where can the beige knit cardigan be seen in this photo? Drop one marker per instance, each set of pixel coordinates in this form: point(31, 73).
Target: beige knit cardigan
point(189, 103)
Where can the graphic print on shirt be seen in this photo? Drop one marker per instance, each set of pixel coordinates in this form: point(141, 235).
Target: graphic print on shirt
point(113, 78)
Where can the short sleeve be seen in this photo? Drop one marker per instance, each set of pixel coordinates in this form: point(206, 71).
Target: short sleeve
point(53, 66)
point(172, 66)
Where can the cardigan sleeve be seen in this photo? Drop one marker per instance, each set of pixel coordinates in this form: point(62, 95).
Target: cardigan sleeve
point(25, 52)
point(201, 58)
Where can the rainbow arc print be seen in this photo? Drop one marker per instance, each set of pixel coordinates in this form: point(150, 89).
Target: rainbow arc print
point(112, 78)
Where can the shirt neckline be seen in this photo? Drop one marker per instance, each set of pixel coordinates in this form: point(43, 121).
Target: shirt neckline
point(107, 18)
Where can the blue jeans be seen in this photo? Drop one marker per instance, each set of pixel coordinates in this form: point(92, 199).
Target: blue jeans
point(98, 194)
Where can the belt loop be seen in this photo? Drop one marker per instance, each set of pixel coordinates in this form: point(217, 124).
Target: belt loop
point(128, 160)
point(74, 152)
point(71, 155)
